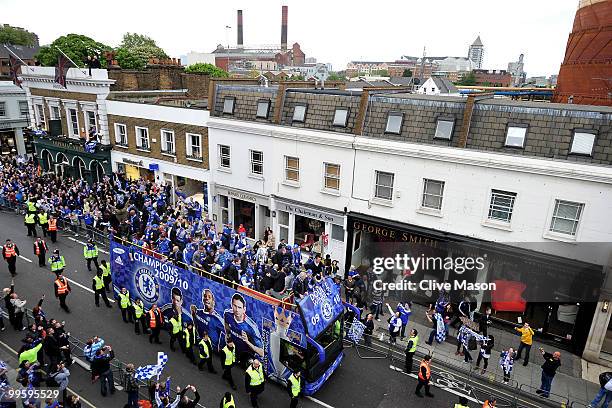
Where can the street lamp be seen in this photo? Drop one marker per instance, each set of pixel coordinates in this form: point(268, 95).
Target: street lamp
point(227, 28)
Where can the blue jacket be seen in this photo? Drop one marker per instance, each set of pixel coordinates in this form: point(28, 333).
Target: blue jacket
point(404, 314)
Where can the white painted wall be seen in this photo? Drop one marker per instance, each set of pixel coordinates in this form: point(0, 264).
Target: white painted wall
point(195, 117)
point(11, 95)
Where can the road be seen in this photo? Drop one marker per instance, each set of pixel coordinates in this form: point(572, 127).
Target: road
point(357, 383)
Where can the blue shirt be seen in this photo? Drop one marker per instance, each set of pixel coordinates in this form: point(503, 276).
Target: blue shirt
point(212, 323)
point(235, 330)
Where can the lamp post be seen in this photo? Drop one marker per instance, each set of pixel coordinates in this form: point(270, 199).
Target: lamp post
point(227, 28)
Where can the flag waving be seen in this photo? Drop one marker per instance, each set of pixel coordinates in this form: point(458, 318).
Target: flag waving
point(61, 69)
point(152, 370)
point(14, 70)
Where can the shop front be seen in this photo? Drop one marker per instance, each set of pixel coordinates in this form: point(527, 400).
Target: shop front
point(314, 229)
point(243, 208)
point(554, 294)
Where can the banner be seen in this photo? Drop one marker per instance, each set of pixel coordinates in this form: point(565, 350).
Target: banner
point(14, 69)
point(259, 329)
point(321, 306)
point(61, 70)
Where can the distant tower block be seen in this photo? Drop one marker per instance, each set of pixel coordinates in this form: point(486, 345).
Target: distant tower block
point(476, 52)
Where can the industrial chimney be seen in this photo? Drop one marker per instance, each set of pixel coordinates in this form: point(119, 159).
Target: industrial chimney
point(284, 29)
point(239, 40)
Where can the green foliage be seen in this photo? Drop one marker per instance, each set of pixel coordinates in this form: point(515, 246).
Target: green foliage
point(334, 76)
point(77, 47)
point(16, 36)
point(407, 73)
point(136, 50)
point(468, 80)
point(128, 60)
point(296, 77)
point(380, 72)
point(210, 69)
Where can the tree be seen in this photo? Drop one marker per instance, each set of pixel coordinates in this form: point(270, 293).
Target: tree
point(136, 50)
point(75, 46)
point(16, 36)
point(380, 72)
point(467, 80)
point(334, 76)
point(296, 77)
point(407, 73)
point(209, 69)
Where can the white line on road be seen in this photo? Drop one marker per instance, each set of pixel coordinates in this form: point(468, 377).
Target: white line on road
point(319, 402)
point(69, 389)
point(84, 243)
point(85, 287)
point(25, 259)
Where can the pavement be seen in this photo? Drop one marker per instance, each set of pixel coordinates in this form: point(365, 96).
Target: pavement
point(359, 382)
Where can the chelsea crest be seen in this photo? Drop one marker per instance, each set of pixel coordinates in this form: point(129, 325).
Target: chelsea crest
point(147, 286)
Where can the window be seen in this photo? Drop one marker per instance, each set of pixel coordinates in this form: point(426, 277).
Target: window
point(444, 129)
point(228, 105)
point(337, 232)
point(283, 225)
point(121, 134)
point(384, 185)
point(224, 205)
point(292, 169)
point(23, 108)
point(142, 138)
point(2, 108)
point(299, 113)
point(340, 117)
point(582, 143)
point(194, 146)
point(332, 176)
point(502, 204)
point(55, 113)
point(394, 122)
point(40, 116)
point(256, 162)
point(263, 108)
point(566, 217)
point(91, 119)
point(167, 139)
point(74, 122)
point(433, 191)
point(515, 136)
point(224, 156)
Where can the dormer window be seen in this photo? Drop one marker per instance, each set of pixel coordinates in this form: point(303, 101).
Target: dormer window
point(228, 105)
point(394, 123)
point(263, 108)
point(582, 143)
point(341, 117)
point(299, 113)
point(515, 136)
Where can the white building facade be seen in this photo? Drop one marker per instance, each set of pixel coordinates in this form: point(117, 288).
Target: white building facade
point(14, 117)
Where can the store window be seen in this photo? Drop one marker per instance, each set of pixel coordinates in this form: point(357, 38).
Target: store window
point(283, 223)
point(308, 232)
point(337, 232)
point(224, 205)
point(244, 214)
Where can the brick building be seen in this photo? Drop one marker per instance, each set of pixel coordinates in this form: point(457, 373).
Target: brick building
point(492, 77)
point(26, 53)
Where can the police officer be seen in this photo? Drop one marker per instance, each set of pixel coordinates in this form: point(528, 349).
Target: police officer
point(205, 353)
point(139, 317)
point(228, 359)
point(98, 287)
point(62, 289)
point(424, 377)
point(106, 275)
point(90, 252)
point(30, 222)
point(10, 252)
point(57, 262)
point(294, 386)
point(30, 206)
point(52, 228)
point(411, 347)
point(254, 381)
point(188, 340)
point(125, 305)
point(175, 330)
point(155, 320)
point(227, 401)
point(43, 221)
point(40, 250)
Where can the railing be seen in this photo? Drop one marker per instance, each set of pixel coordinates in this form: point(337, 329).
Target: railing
point(69, 143)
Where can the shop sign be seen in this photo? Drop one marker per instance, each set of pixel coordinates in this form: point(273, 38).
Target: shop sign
point(308, 213)
point(391, 233)
point(241, 196)
point(132, 162)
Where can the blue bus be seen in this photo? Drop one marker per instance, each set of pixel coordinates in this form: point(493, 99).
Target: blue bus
point(306, 337)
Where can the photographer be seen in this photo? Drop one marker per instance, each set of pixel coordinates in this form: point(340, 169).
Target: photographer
point(101, 367)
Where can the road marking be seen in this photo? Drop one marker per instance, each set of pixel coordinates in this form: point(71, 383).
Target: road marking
point(319, 402)
point(85, 287)
point(85, 243)
point(25, 259)
point(9, 348)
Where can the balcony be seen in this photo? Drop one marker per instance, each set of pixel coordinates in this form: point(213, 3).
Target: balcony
point(62, 143)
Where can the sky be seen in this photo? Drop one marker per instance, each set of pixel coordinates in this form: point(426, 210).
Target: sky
point(331, 31)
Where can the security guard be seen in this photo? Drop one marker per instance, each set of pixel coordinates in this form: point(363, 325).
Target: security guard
point(228, 359)
point(57, 262)
point(294, 386)
point(106, 275)
point(43, 221)
point(30, 222)
point(125, 305)
point(175, 330)
point(62, 289)
point(228, 401)
point(463, 403)
point(90, 252)
point(10, 252)
point(155, 320)
point(139, 317)
point(205, 353)
point(424, 377)
point(254, 381)
point(52, 228)
point(30, 206)
point(188, 340)
point(411, 348)
point(40, 250)
point(98, 287)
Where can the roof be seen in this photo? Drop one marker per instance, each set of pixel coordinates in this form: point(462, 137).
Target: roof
point(477, 42)
point(444, 85)
point(22, 51)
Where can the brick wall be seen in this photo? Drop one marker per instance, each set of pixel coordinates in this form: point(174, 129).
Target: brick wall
point(77, 96)
point(245, 106)
point(160, 77)
point(320, 110)
point(155, 128)
point(50, 93)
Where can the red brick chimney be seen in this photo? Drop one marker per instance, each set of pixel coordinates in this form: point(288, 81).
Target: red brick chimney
point(239, 40)
point(284, 29)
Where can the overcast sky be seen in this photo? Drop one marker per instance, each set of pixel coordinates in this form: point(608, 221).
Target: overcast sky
point(332, 31)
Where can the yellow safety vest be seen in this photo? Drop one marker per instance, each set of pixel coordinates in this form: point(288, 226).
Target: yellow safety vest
point(256, 375)
point(29, 218)
point(57, 263)
point(31, 206)
point(296, 385)
point(105, 270)
point(124, 300)
point(205, 348)
point(230, 356)
point(188, 339)
point(99, 282)
point(30, 355)
point(138, 310)
point(229, 404)
point(90, 253)
point(43, 218)
point(415, 342)
point(176, 324)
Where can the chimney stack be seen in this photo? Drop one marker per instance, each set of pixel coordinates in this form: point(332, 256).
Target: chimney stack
point(239, 42)
point(284, 29)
